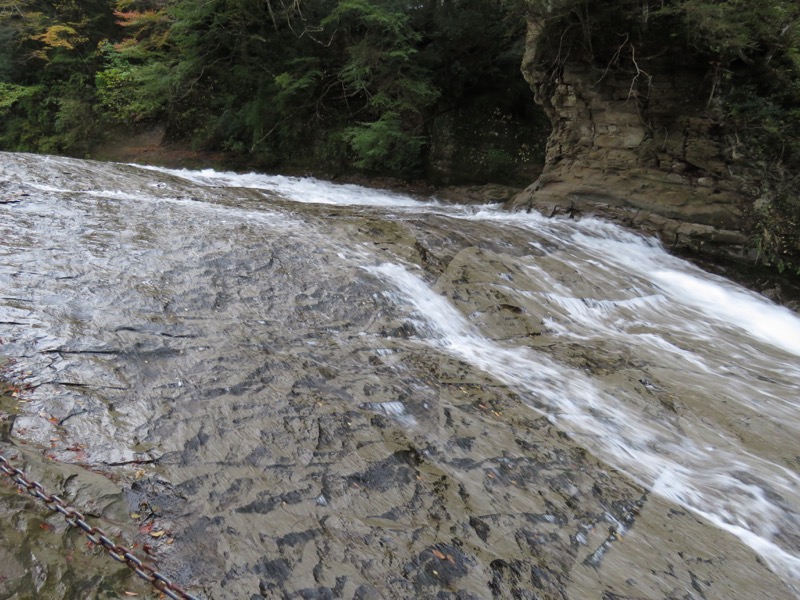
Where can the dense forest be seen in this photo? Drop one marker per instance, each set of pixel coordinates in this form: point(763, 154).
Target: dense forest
point(368, 84)
point(280, 83)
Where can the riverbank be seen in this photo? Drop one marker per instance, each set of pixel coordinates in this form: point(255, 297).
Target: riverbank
point(150, 147)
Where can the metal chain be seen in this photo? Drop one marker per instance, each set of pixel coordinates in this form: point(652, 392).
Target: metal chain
point(94, 534)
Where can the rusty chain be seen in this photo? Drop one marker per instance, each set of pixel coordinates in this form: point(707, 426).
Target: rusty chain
point(94, 534)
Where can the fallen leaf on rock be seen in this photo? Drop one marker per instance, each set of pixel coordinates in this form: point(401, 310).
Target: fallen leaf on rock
point(146, 528)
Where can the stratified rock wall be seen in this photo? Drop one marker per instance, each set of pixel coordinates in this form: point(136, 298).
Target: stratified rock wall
point(642, 148)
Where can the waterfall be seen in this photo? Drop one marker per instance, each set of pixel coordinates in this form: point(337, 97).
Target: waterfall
point(330, 387)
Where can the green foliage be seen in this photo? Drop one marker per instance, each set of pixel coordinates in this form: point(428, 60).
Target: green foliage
point(743, 29)
point(55, 120)
point(11, 94)
point(380, 73)
point(129, 92)
point(17, 103)
point(46, 72)
point(293, 87)
point(75, 127)
point(756, 45)
point(384, 145)
point(293, 92)
point(342, 84)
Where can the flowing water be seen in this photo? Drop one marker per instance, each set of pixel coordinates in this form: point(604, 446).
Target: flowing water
point(326, 391)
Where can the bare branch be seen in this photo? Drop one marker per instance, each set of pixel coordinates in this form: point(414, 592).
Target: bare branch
point(272, 15)
point(633, 92)
point(614, 59)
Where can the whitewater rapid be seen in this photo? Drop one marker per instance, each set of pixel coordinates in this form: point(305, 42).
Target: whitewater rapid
point(682, 381)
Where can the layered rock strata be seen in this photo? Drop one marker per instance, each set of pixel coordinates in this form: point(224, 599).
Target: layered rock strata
point(641, 147)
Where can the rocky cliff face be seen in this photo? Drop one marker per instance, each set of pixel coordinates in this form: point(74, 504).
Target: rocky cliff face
point(640, 147)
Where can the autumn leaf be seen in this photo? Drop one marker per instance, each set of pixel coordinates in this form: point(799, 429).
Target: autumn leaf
point(60, 36)
point(146, 528)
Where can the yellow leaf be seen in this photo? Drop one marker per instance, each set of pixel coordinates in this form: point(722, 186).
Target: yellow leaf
point(157, 534)
point(60, 36)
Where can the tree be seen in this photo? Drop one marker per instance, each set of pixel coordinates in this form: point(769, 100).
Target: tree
point(391, 90)
point(47, 91)
point(342, 84)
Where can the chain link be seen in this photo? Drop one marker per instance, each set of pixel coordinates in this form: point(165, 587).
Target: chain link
point(94, 534)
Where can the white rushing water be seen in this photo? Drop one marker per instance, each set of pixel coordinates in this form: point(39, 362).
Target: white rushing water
point(299, 189)
point(710, 333)
point(730, 356)
point(728, 329)
point(728, 487)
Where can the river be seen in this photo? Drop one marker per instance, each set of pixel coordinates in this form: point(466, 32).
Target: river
point(288, 388)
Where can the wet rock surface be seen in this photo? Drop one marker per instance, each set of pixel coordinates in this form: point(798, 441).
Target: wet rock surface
point(247, 375)
point(41, 556)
